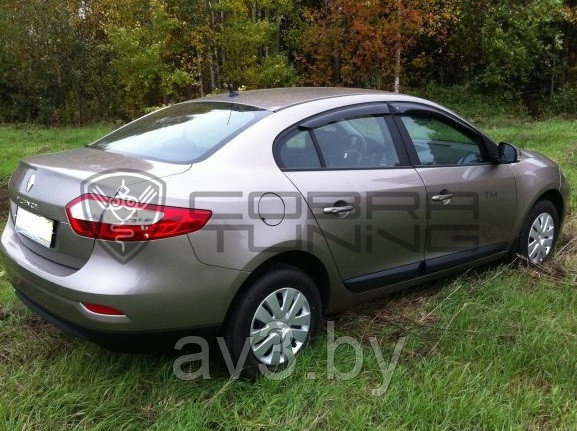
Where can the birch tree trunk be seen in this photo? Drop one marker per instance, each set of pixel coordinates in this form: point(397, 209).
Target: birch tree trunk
point(398, 48)
point(398, 68)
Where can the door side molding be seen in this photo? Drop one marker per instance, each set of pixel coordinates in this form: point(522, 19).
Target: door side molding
point(380, 279)
point(445, 262)
point(383, 278)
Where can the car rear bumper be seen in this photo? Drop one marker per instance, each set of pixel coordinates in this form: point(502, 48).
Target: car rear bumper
point(163, 288)
point(129, 340)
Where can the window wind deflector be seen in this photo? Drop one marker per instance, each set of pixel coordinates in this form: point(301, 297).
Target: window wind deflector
point(338, 114)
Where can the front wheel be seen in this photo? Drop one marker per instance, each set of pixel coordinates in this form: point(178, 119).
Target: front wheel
point(539, 233)
point(273, 320)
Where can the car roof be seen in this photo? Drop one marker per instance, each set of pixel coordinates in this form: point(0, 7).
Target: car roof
point(276, 99)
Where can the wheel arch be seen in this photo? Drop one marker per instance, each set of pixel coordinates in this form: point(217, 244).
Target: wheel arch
point(305, 261)
point(556, 198)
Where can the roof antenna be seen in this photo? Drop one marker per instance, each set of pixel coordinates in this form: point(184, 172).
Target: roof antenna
point(232, 90)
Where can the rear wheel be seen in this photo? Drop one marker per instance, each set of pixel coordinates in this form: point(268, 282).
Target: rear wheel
point(539, 233)
point(274, 320)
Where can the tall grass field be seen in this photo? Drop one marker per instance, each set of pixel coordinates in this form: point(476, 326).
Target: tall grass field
point(491, 349)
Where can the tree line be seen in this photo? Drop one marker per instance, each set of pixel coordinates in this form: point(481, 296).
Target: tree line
point(79, 61)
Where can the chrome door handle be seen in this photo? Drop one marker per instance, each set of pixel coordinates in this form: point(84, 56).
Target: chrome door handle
point(338, 210)
point(444, 198)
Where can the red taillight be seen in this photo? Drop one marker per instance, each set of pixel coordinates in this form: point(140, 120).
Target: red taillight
point(101, 217)
point(102, 309)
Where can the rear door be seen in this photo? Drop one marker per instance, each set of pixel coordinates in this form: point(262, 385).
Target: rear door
point(355, 175)
point(471, 202)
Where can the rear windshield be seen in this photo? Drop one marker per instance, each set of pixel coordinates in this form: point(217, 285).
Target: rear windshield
point(183, 133)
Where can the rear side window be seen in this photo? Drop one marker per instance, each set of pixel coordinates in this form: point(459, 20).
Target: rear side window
point(355, 142)
point(297, 151)
point(183, 133)
point(358, 142)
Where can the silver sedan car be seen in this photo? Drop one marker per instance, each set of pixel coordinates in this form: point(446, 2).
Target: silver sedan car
point(251, 214)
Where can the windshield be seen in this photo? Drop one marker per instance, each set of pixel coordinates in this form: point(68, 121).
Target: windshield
point(183, 133)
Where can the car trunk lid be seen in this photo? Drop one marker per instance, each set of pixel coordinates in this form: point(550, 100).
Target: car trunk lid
point(44, 185)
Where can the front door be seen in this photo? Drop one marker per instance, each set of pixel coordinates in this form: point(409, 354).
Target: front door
point(471, 202)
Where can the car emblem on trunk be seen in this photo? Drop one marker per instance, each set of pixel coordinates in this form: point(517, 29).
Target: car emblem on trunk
point(30, 182)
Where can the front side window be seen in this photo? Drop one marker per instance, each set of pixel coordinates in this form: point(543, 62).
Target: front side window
point(439, 143)
point(182, 133)
point(357, 142)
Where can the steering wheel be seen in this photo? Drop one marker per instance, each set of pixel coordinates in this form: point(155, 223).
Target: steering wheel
point(355, 149)
point(469, 158)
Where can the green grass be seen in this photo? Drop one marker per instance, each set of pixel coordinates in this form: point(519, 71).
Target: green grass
point(491, 349)
point(473, 105)
point(21, 141)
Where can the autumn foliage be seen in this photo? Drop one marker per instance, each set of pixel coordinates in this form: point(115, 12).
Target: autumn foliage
point(357, 42)
point(77, 61)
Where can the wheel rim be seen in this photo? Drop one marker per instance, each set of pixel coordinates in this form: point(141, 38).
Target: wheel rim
point(541, 236)
point(280, 326)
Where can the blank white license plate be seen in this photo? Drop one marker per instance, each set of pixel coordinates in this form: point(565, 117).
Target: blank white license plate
point(35, 227)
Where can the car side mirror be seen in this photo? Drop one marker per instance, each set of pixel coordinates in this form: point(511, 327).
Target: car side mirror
point(507, 153)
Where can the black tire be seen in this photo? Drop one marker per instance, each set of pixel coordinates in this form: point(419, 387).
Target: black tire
point(541, 207)
point(238, 324)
